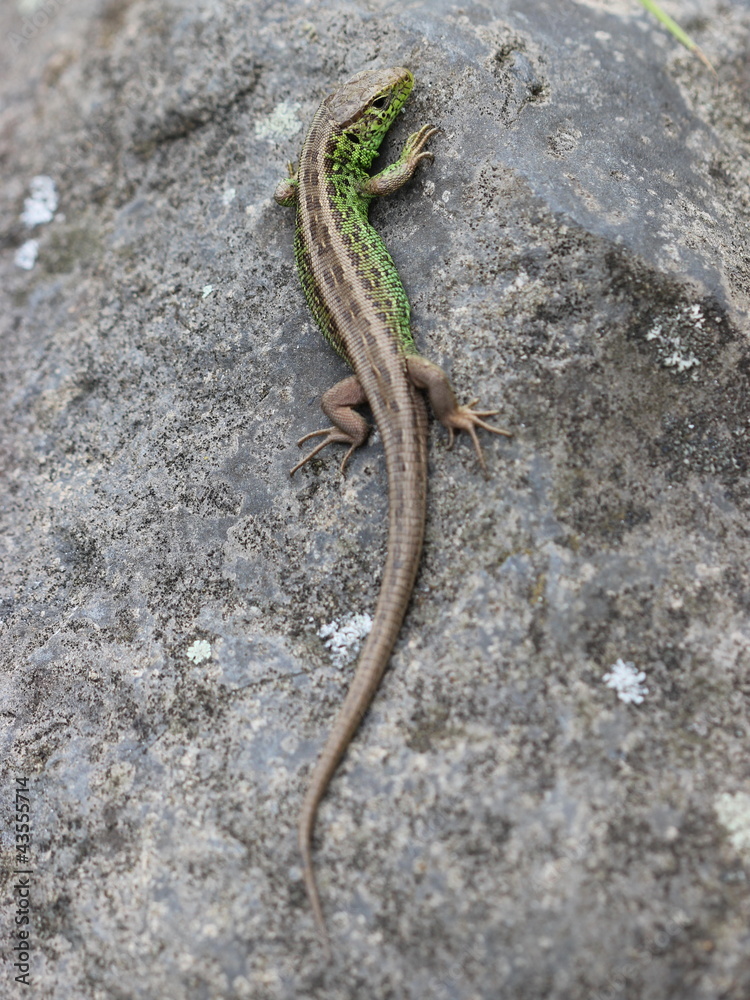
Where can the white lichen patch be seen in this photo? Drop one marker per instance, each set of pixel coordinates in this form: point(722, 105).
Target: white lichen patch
point(627, 682)
point(282, 123)
point(41, 205)
point(199, 651)
point(521, 279)
point(734, 814)
point(26, 254)
point(669, 333)
point(344, 639)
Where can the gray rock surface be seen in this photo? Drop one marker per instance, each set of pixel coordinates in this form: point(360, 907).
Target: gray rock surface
point(504, 826)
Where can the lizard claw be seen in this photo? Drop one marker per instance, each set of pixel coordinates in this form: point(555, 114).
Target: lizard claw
point(426, 375)
point(466, 418)
point(416, 143)
point(332, 436)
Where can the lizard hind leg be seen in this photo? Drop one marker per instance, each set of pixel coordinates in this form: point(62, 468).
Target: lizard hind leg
point(428, 376)
point(349, 427)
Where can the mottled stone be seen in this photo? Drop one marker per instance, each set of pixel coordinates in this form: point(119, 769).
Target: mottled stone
point(505, 824)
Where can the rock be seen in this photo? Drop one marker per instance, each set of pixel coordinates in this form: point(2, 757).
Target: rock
point(507, 823)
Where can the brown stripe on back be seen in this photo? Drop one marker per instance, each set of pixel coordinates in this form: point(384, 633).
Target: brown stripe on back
point(354, 296)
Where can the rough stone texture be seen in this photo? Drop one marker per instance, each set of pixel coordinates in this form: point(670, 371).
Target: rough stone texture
point(503, 826)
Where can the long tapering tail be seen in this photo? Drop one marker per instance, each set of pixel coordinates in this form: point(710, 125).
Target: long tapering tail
point(407, 476)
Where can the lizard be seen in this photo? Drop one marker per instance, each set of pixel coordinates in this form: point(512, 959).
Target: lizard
point(355, 294)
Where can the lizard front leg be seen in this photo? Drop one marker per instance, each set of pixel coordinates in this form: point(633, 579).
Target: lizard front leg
point(428, 376)
point(287, 190)
point(392, 177)
point(349, 427)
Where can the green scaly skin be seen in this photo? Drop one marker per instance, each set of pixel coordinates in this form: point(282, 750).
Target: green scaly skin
point(347, 162)
point(356, 296)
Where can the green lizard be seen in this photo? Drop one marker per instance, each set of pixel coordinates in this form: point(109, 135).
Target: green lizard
point(355, 294)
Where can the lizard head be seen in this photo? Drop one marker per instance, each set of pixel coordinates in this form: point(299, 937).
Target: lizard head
point(364, 107)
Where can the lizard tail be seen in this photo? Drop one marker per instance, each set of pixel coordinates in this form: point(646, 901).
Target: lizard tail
point(406, 516)
point(370, 668)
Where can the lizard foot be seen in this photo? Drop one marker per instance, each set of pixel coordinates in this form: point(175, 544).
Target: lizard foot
point(349, 427)
point(414, 149)
point(333, 436)
point(426, 375)
point(392, 177)
point(466, 418)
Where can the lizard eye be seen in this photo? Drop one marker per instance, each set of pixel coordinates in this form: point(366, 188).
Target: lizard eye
point(380, 102)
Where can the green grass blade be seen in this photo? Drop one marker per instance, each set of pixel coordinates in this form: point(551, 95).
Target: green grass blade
point(676, 30)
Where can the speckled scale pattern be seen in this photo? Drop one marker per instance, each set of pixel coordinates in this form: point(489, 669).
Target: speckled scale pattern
point(367, 254)
point(332, 224)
